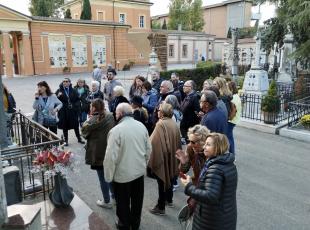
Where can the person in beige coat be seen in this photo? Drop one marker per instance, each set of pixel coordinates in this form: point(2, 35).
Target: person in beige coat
point(166, 140)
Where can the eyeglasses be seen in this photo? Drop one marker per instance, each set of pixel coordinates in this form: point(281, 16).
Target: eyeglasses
point(65, 81)
point(202, 101)
point(193, 142)
point(187, 86)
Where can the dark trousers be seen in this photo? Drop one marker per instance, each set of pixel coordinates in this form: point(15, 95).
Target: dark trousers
point(52, 128)
point(129, 201)
point(164, 194)
point(230, 136)
point(77, 133)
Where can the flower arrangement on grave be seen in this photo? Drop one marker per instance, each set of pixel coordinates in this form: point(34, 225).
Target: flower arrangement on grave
point(54, 161)
point(305, 121)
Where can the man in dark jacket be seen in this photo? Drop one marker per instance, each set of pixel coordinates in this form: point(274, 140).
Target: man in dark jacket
point(68, 114)
point(214, 119)
point(189, 107)
point(157, 80)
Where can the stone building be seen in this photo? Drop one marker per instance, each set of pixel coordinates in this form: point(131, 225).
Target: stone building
point(39, 45)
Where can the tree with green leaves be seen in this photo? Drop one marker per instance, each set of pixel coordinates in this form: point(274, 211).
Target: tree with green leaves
point(68, 14)
point(86, 10)
point(196, 16)
point(292, 15)
point(188, 13)
point(229, 33)
point(46, 8)
point(178, 14)
point(164, 27)
point(155, 25)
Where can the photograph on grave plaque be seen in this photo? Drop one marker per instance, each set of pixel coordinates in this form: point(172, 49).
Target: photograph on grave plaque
point(99, 50)
point(57, 50)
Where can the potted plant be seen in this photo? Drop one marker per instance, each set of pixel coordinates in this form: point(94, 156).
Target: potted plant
point(305, 121)
point(271, 104)
point(66, 70)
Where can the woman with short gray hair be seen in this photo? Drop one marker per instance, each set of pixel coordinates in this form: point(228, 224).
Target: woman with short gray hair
point(118, 93)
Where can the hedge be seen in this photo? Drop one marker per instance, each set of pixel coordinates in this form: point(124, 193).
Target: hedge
point(198, 75)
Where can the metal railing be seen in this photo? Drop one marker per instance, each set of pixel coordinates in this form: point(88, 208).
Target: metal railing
point(297, 109)
point(28, 136)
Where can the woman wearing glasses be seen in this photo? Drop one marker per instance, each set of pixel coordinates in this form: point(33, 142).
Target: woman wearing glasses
point(215, 193)
point(68, 114)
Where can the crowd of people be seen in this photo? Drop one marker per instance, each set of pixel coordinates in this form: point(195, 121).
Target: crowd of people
point(162, 129)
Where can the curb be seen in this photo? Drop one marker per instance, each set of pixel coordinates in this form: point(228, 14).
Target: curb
point(297, 134)
point(259, 126)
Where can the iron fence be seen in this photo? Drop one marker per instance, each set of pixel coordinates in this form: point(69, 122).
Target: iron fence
point(297, 109)
point(28, 136)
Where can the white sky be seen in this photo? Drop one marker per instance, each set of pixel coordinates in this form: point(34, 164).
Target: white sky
point(159, 7)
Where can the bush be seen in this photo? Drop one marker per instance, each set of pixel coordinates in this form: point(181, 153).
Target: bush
point(126, 67)
point(204, 64)
point(305, 121)
point(271, 102)
point(198, 75)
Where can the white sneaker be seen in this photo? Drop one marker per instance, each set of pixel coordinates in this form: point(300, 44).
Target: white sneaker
point(102, 204)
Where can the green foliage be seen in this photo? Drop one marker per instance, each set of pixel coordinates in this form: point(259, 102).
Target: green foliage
point(198, 75)
point(164, 27)
point(274, 32)
point(86, 11)
point(46, 8)
point(271, 102)
point(68, 14)
point(229, 33)
point(204, 64)
point(295, 14)
point(155, 25)
point(246, 32)
point(188, 13)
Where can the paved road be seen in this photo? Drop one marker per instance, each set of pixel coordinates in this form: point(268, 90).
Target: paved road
point(273, 189)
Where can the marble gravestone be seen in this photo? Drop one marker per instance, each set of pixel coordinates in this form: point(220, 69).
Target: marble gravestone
point(256, 79)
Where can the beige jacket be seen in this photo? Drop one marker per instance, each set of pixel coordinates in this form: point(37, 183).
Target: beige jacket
point(128, 151)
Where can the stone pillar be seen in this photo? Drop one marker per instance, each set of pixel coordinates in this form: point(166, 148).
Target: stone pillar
point(7, 54)
point(28, 62)
point(69, 50)
point(89, 53)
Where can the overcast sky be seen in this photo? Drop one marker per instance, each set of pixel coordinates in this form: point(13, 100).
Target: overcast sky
point(159, 7)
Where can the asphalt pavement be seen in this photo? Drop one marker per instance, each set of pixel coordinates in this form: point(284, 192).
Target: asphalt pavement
point(273, 175)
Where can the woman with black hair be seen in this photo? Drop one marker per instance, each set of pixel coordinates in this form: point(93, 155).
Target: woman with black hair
point(46, 107)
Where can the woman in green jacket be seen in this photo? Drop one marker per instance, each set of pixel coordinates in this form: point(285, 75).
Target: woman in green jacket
point(95, 130)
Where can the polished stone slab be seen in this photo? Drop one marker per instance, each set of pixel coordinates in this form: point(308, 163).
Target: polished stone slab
point(78, 216)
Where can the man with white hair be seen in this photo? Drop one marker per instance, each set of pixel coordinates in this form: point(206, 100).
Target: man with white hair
point(108, 88)
point(125, 164)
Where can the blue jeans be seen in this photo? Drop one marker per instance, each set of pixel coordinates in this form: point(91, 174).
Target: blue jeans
point(230, 136)
point(82, 118)
point(106, 187)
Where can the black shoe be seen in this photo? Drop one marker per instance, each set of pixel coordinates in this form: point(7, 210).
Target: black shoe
point(157, 211)
point(66, 144)
point(81, 141)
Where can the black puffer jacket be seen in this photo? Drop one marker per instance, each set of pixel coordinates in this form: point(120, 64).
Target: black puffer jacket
point(215, 194)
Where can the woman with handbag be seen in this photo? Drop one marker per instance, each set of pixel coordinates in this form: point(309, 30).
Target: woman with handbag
point(95, 130)
point(46, 107)
point(193, 157)
point(165, 139)
point(215, 193)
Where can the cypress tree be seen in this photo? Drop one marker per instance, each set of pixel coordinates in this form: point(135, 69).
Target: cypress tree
point(164, 27)
point(86, 11)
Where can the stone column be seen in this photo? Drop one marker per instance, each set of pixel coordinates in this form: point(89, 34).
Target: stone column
point(69, 50)
point(7, 54)
point(28, 62)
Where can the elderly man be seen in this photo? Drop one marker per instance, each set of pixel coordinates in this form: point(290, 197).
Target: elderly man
point(213, 118)
point(125, 163)
point(108, 88)
point(189, 107)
